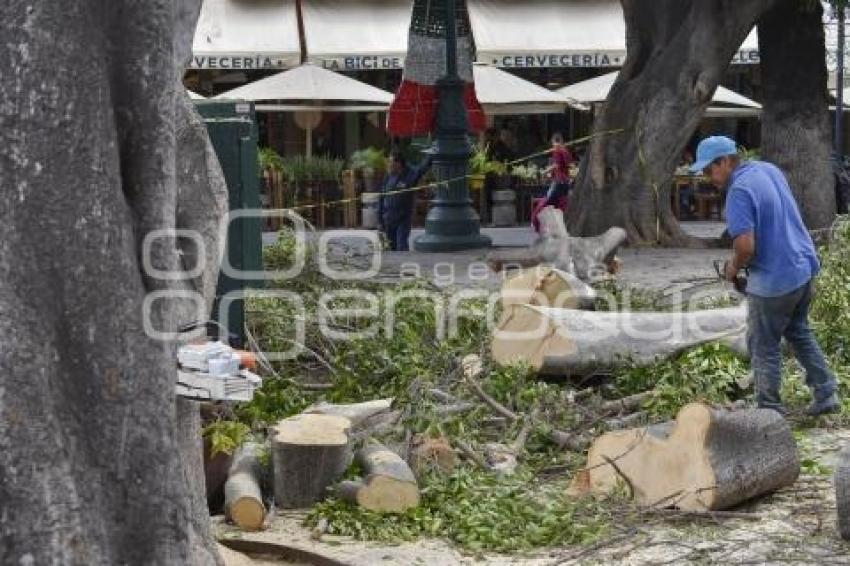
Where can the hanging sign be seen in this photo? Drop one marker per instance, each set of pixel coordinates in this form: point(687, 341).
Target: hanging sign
point(243, 61)
point(359, 62)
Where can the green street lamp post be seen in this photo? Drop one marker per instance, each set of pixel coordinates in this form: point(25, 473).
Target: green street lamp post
point(452, 224)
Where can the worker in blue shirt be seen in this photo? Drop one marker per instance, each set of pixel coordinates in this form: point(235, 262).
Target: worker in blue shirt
point(769, 238)
point(395, 207)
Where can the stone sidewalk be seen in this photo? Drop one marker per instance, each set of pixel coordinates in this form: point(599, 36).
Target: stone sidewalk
point(648, 268)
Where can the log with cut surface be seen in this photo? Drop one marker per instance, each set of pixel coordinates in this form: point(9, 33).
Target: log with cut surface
point(243, 498)
point(549, 287)
point(707, 459)
point(842, 492)
point(559, 341)
point(310, 452)
point(389, 485)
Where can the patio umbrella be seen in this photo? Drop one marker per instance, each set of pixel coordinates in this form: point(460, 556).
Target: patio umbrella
point(501, 93)
point(596, 90)
point(310, 89)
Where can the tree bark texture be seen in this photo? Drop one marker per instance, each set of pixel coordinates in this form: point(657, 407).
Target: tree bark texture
point(99, 146)
point(795, 124)
point(677, 53)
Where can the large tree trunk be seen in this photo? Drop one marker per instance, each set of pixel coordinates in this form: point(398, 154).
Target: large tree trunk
point(99, 464)
point(677, 53)
point(795, 124)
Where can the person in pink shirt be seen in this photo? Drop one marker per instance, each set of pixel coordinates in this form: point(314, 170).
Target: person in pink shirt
point(559, 171)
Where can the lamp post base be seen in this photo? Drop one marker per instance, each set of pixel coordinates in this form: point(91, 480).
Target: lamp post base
point(451, 226)
point(439, 243)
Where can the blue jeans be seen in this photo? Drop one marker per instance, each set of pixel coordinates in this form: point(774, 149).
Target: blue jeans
point(556, 191)
point(772, 318)
point(398, 234)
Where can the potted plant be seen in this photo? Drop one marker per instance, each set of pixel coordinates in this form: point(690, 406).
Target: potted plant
point(371, 163)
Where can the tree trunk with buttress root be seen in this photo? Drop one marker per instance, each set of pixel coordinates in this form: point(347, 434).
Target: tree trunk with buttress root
point(796, 133)
point(100, 147)
point(677, 52)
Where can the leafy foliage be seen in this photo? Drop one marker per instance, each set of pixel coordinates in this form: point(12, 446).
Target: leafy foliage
point(370, 159)
point(226, 436)
point(708, 373)
point(831, 307)
point(479, 512)
point(269, 159)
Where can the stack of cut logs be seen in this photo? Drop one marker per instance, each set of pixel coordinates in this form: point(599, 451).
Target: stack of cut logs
point(311, 451)
point(709, 458)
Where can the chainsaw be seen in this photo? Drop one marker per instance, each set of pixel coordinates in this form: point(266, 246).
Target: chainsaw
point(740, 282)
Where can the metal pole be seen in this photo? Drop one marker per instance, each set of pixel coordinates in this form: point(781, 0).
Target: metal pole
point(451, 39)
point(839, 85)
point(452, 224)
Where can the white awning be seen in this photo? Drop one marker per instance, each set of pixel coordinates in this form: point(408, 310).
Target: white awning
point(246, 34)
point(501, 93)
point(731, 104)
point(342, 35)
point(597, 88)
point(558, 33)
point(194, 95)
point(311, 85)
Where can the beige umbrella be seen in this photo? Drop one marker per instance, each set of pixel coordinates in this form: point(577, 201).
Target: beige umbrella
point(310, 89)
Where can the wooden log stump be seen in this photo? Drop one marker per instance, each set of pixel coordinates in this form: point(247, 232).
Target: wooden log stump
point(243, 498)
point(431, 454)
point(707, 459)
point(842, 492)
point(389, 485)
point(309, 453)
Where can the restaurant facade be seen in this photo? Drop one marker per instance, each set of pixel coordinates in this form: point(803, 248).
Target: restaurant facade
point(552, 43)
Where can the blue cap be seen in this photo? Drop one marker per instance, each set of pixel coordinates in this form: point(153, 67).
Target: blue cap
point(710, 149)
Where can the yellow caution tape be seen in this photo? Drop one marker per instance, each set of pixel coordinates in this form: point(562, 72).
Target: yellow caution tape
point(576, 141)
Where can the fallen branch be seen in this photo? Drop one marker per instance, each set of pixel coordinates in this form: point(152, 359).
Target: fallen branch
point(626, 404)
point(677, 514)
point(471, 454)
point(472, 368)
point(627, 421)
point(448, 410)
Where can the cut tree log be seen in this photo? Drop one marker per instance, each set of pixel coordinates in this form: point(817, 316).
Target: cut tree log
point(705, 460)
point(842, 492)
point(357, 413)
point(431, 454)
point(389, 485)
point(586, 258)
point(309, 453)
point(566, 341)
point(243, 497)
point(547, 286)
